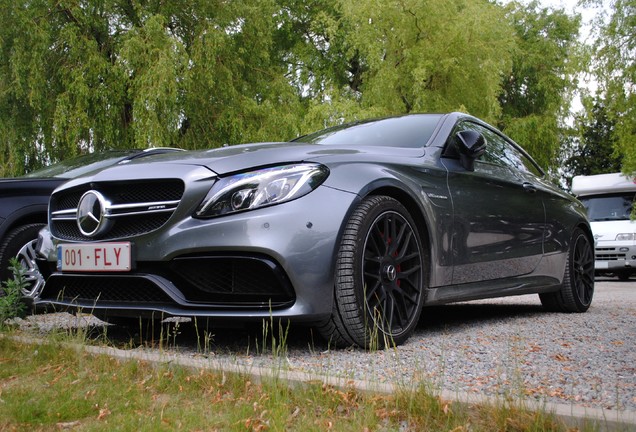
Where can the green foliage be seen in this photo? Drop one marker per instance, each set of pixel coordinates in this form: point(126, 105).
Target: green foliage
point(11, 304)
point(537, 92)
point(79, 75)
point(433, 55)
point(616, 72)
point(593, 150)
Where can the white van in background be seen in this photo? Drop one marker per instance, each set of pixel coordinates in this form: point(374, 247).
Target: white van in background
point(609, 199)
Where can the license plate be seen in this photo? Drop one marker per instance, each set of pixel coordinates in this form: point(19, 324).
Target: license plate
point(98, 257)
point(601, 264)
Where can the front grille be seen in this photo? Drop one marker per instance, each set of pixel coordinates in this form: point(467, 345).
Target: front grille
point(610, 257)
point(76, 289)
point(608, 254)
point(136, 220)
point(124, 192)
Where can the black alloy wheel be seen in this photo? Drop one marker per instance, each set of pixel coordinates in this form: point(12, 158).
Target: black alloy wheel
point(380, 273)
point(20, 243)
point(577, 289)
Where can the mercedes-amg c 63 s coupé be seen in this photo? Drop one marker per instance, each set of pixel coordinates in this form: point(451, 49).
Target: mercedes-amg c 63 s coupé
point(354, 229)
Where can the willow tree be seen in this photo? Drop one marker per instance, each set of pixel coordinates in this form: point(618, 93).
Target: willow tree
point(83, 75)
point(537, 92)
point(80, 75)
point(411, 56)
point(616, 72)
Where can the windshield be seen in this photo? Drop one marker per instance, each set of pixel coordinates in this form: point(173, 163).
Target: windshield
point(608, 207)
point(77, 166)
point(410, 131)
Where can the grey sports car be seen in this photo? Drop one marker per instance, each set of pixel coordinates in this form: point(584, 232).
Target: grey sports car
point(353, 229)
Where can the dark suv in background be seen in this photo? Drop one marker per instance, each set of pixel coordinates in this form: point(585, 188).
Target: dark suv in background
point(24, 202)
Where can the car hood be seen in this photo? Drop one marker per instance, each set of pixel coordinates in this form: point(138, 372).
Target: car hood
point(607, 230)
point(241, 157)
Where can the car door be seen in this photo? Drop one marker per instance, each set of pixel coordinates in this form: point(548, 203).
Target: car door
point(498, 216)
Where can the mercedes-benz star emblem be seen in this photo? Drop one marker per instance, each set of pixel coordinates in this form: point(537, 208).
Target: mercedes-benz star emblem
point(90, 214)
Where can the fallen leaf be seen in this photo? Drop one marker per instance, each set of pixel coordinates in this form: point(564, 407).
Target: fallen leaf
point(103, 413)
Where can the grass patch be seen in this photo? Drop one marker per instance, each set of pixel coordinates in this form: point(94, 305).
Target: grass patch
point(53, 386)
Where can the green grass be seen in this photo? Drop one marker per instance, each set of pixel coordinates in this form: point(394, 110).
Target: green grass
point(52, 386)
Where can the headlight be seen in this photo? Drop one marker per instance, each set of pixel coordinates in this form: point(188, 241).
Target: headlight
point(625, 237)
point(264, 187)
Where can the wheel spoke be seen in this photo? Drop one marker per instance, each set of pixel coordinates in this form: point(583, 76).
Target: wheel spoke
point(390, 308)
point(387, 235)
point(375, 293)
point(376, 241)
point(32, 277)
point(411, 298)
point(399, 242)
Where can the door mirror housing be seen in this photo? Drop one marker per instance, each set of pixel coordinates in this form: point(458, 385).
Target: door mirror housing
point(471, 145)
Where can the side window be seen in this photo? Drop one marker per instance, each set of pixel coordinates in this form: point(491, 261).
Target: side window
point(501, 152)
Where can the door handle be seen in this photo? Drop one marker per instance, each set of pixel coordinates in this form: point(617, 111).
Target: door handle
point(529, 187)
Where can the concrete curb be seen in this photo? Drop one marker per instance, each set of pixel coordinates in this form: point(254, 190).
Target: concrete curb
point(571, 415)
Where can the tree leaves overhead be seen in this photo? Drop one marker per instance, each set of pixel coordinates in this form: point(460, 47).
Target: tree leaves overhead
point(80, 75)
point(593, 151)
point(616, 72)
point(428, 55)
point(538, 89)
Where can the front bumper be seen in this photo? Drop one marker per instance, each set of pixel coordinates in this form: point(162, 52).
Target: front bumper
point(271, 262)
point(615, 257)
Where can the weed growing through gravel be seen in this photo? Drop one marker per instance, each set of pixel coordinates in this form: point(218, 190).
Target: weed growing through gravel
point(11, 305)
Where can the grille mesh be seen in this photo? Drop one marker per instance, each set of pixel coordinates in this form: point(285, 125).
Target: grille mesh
point(94, 290)
point(232, 279)
point(122, 227)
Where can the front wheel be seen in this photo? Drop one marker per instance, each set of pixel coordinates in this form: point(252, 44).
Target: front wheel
point(380, 277)
point(20, 243)
point(577, 289)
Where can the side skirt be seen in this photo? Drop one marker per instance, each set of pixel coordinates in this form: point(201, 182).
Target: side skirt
point(491, 289)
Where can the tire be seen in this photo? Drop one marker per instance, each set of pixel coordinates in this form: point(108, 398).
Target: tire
point(379, 278)
point(577, 288)
point(20, 243)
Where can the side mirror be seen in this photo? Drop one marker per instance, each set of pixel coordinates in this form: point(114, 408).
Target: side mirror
point(470, 144)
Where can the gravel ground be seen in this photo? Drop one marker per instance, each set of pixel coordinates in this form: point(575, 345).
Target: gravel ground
point(507, 347)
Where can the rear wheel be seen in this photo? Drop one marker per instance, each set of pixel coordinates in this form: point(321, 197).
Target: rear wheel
point(577, 289)
point(379, 281)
